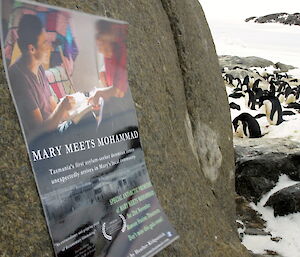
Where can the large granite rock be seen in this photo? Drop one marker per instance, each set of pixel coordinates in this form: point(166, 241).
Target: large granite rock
point(285, 201)
point(259, 163)
point(185, 130)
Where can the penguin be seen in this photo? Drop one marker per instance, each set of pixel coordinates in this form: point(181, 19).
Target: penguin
point(246, 81)
point(246, 125)
point(297, 92)
point(293, 105)
point(236, 82)
point(281, 97)
point(288, 113)
point(255, 84)
point(250, 99)
point(251, 82)
point(260, 115)
point(228, 78)
point(244, 88)
point(291, 98)
point(273, 109)
point(237, 67)
point(288, 91)
point(233, 105)
point(272, 89)
point(236, 95)
point(282, 86)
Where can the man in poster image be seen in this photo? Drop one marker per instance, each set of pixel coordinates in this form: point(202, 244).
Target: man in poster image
point(38, 110)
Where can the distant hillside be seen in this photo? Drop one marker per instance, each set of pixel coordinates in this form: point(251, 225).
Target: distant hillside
point(284, 18)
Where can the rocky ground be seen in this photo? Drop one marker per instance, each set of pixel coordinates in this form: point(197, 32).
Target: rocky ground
point(260, 163)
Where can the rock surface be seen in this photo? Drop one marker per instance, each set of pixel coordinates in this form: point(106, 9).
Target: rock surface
point(251, 219)
point(259, 162)
point(186, 135)
point(232, 62)
point(285, 201)
point(283, 67)
point(284, 18)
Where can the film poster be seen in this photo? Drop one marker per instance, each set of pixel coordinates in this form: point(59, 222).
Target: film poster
point(67, 75)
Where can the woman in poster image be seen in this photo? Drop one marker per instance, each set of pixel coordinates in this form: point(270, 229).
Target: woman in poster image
point(112, 58)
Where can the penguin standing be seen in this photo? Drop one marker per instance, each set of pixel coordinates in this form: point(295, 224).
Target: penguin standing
point(246, 125)
point(250, 99)
point(246, 81)
point(273, 109)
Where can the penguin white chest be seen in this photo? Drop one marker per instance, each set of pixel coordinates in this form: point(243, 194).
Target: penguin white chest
point(268, 109)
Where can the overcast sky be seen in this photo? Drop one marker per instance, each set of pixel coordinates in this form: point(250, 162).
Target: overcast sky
point(241, 9)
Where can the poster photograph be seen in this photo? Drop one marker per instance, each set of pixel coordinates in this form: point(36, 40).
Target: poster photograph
point(67, 73)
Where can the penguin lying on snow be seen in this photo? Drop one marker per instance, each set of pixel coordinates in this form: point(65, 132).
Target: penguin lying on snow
point(273, 109)
point(246, 125)
point(234, 106)
point(293, 105)
point(236, 95)
point(288, 113)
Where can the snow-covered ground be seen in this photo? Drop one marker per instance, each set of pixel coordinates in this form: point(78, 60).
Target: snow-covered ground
point(277, 43)
point(288, 129)
point(285, 227)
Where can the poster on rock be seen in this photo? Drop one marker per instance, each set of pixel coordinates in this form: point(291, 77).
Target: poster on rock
point(67, 73)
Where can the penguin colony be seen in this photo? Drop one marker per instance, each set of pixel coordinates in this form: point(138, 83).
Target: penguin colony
point(261, 90)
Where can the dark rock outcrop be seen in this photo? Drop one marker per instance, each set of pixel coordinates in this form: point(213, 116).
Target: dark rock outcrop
point(250, 18)
point(243, 62)
point(250, 218)
point(186, 135)
point(259, 163)
point(285, 201)
point(237, 62)
point(283, 67)
point(284, 18)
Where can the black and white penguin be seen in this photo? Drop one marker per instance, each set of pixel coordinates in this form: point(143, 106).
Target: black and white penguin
point(233, 105)
point(293, 105)
point(297, 92)
point(256, 84)
point(273, 109)
point(260, 115)
point(250, 99)
point(236, 95)
point(236, 82)
point(291, 98)
point(246, 125)
point(282, 86)
point(228, 78)
point(288, 113)
point(281, 97)
point(272, 90)
point(251, 82)
point(290, 95)
point(246, 81)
